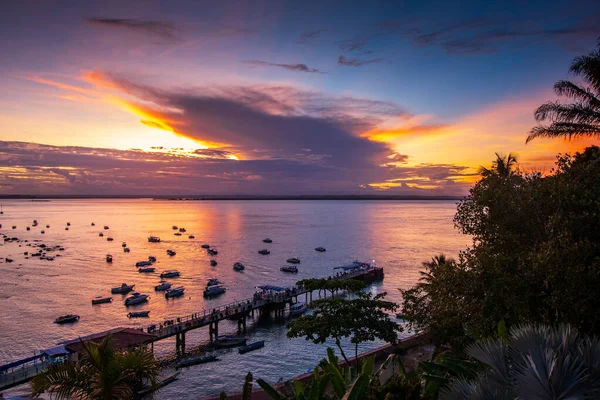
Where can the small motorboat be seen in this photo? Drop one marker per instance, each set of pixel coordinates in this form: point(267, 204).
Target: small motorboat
point(213, 263)
point(108, 258)
point(293, 260)
point(321, 249)
point(177, 234)
point(174, 227)
point(106, 227)
point(136, 298)
point(289, 268)
point(214, 290)
point(226, 341)
point(143, 263)
point(191, 237)
point(175, 292)
point(213, 282)
point(195, 361)
point(212, 252)
point(267, 240)
point(93, 224)
point(171, 252)
point(238, 266)
point(123, 244)
point(298, 308)
point(181, 229)
point(124, 288)
point(101, 234)
point(68, 224)
point(138, 314)
point(14, 227)
point(28, 228)
point(66, 228)
point(109, 239)
point(146, 269)
point(252, 346)
point(65, 319)
point(170, 274)
point(43, 231)
point(264, 252)
point(101, 300)
point(162, 286)
point(151, 258)
point(126, 249)
point(205, 246)
point(47, 226)
point(34, 223)
point(154, 239)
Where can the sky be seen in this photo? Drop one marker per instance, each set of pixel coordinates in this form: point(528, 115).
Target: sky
point(278, 97)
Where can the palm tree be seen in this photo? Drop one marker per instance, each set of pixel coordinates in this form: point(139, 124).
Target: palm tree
point(580, 118)
point(537, 362)
point(503, 166)
point(103, 372)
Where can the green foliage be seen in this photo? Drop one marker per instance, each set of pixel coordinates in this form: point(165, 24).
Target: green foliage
point(362, 319)
point(332, 285)
point(537, 362)
point(535, 256)
point(101, 373)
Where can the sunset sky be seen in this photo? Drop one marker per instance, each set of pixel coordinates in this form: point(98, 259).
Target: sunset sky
point(277, 97)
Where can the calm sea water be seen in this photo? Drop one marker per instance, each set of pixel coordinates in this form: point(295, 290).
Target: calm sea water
point(398, 235)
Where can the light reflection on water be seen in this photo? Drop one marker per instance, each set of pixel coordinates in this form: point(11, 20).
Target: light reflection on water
point(398, 235)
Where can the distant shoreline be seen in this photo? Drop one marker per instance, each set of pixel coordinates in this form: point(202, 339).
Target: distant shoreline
point(240, 197)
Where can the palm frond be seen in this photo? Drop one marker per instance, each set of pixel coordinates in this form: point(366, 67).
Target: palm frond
point(585, 96)
point(588, 67)
point(564, 130)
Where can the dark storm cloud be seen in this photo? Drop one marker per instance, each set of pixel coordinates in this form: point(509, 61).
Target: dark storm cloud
point(162, 29)
point(289, 67)
point(310, 36)
point(355, 62)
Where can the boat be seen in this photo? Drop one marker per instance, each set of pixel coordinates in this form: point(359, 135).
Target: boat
point(195, 361)
point(267, 240)
point(214, 290)
point(226, 341)
point(68, 224)
point(138, 314)
point(123, 244)
point(252, 346)
point(136, 298)
point(35, 223)
point(175, 292)
point(66, 228)
point(43, 231)
point(163, 286)
point(212, 252)
point(174, 227)
point(170, 274)
point(264, 252)
point(321, 249)
point(151, 258)
point(293, 260)
point(146, 269)
point(28, 228)
point(101, 234)
point(213, 282)
point(106, 227)
point(65, 319)
point(289, 268)
point(191, 237)
point(181, 229)
point(171, 252)
point(147, 389)
point(93, 224)
point(205, 246)
point(238, 266)
point(143, 263)
point(213, 263)
point(47, 226)
point(154, 239)
point(109, 239)
point(108, 258)
point(298, 308)
point(124, 288)
point(177, 234)
point(126, 249)
point(101, 300)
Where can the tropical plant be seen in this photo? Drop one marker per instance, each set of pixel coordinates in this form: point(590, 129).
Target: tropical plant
point(102, 372)
point(503, 166)
point(537, 362)
point(580, 118)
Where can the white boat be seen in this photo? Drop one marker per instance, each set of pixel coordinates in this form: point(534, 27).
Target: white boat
point(163, 286)
point(293, 260)
point(154, 239)
point(171, 252)
point(143, 263)
point(214, 290)
point(213, 282)
point(124, 288)
point(175, 292)
point(238, 266)
point(170, 274)
point(289, 268)
point(136, 298)
point(298, 308)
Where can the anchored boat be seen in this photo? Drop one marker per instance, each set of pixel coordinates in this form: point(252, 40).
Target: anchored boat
point(252, 346)
point(170, 274)
point(175, 292)
point(289, 268)
point(124, 288)
point(227, 341)
point(138, 314)
point(238, 266)
point(214, 290)
point(136, 298)
point(101, 300)
point(264, 252)
point(195, 361)
point(65, 319)
point(293, 260)
point(163, 286)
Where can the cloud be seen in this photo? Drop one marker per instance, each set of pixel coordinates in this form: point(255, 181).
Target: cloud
point(289, 67)
point(162, 29)
point(310, 36)
point(354, 62)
